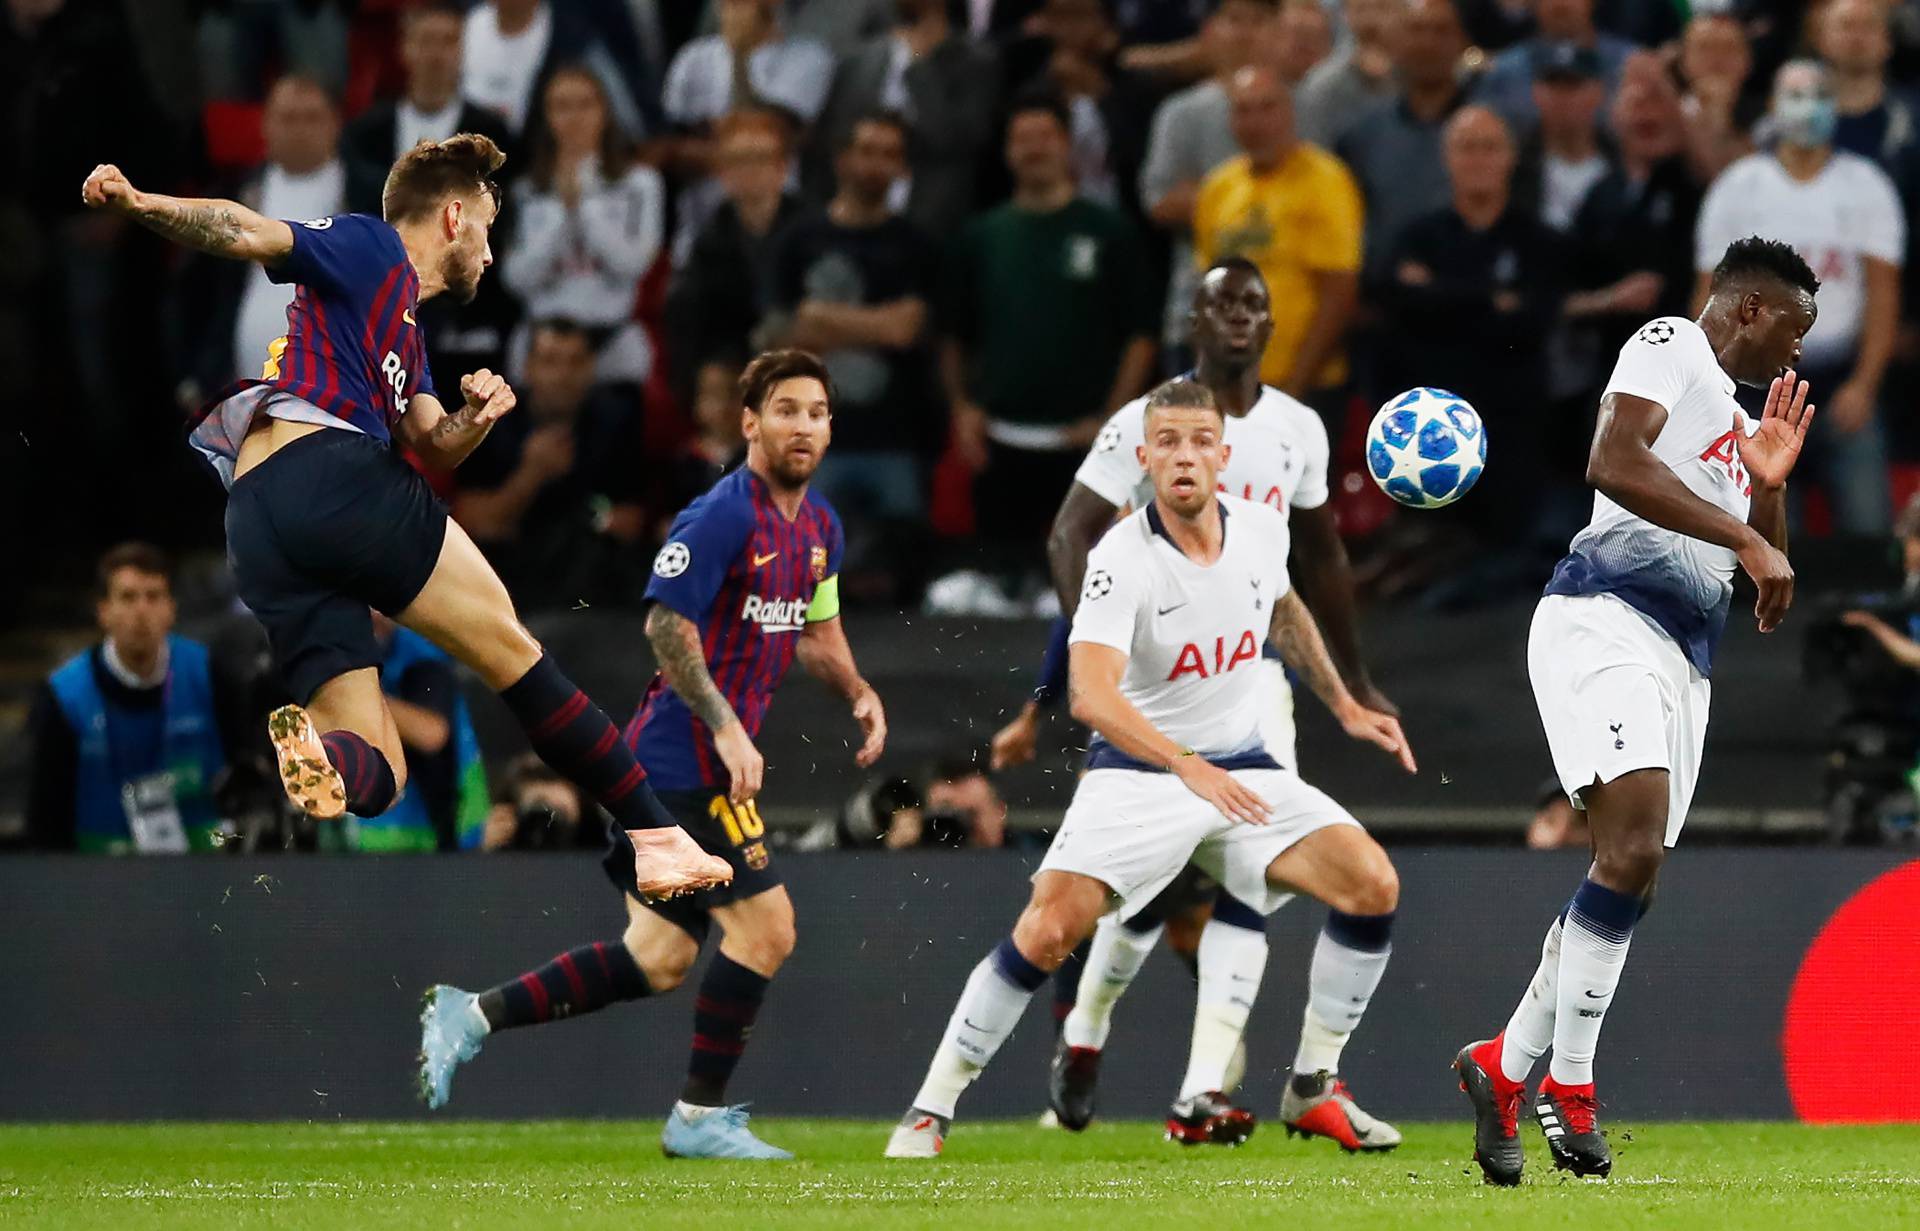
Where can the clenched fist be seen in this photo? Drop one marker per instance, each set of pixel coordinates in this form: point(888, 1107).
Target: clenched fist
point(108, 187)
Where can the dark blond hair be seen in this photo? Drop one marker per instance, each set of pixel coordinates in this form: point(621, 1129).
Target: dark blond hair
point(426, 176)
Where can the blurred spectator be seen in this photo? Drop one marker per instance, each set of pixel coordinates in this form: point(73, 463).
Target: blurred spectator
point(1341, 88)
point(513, 46)
point(1877, 121)
point(1564, 159)
point(536, 809)
point(839, 25)
point(1717, 100)
point(131, 737)
point(1508, 85)
point(964, 808)
point(1293, 210)
point(1073, 53)
point(443, 807)
point(1302, 39)
point(588, 224)
point(1049, 329)
point(1557, 825)
point(553, 495)
point(715, 447)
point(884, 814)
point(1843, 214)
point(1394, 148)
point(243, 42)
point(945, 85)
point(750, 62)
point(1631, 250)
point(1192, 135)
point(851, 283)
point(719, 293)
point(304, 178)
point(431, 109)
point(1471, 293)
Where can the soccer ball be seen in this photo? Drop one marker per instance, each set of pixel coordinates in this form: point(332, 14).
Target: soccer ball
point(1426, 447)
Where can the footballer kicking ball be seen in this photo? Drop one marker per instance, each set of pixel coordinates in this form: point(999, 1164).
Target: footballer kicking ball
point(1426, 448)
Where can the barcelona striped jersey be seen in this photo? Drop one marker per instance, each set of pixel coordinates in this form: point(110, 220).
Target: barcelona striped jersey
point(353, 355)
point(750, 580)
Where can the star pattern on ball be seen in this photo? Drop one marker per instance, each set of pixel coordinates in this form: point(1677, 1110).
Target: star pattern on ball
point(672, 560)
point(1656, 333)
point(1099, 584)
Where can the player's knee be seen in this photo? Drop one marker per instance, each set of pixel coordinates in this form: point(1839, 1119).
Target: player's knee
point(664, 959)
point(770, 945)
point(1630, 864)
point(1377, 892)
point(1046, 934)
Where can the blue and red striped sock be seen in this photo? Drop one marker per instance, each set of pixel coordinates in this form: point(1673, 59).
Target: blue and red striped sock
point(723, 1014)
point(575, 737)
point(578, 981)
point(363, 770)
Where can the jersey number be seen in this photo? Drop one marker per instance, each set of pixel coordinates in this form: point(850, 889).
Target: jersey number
point(743, 824)
point(396, 376)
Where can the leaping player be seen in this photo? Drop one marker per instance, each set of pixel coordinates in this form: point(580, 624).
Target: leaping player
point(1278, 451)
point(325, 520)
point(1622, 645)
point(1178, 598)
point(747, 582)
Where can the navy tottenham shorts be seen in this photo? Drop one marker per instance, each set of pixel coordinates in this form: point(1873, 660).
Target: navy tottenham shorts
point(330, 526)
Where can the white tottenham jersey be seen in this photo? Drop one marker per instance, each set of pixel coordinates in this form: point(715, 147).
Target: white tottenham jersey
point(1682, 584)
point(1192, 634)
point(1279, 456)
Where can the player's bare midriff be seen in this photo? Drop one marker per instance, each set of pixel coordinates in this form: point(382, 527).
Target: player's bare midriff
point(267, 437)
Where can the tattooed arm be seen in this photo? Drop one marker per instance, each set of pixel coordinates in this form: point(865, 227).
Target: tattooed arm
point(1295, 635)
point(676, 646)
point(221, 228)
point(444, 440)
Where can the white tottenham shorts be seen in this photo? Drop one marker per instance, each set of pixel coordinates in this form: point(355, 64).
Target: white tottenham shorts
point(1615, 695)
point(1133, 830)
point(1276, 714)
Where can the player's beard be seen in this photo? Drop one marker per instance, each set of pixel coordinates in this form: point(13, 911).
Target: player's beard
point(460, 272)
point(793, 472)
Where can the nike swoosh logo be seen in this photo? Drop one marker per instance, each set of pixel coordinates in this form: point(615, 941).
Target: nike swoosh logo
point(1593, 996)
point(406, 314)
point(969, 1024)
point(1175, 607)
point(759, 559)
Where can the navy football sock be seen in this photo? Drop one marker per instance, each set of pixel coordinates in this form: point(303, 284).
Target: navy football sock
point(578, 981)
point(363, 770)
point(723, 1014)
point(1066, 983)
point(575, 737)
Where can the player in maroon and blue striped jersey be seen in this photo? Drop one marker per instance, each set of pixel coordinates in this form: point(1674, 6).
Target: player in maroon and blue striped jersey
point(748, 582)
point(326, 521)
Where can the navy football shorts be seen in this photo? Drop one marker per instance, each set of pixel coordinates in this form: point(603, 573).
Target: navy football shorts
point(329, 526)
point(732, 831)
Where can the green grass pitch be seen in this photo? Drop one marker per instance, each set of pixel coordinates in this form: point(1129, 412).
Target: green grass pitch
point(527, 1176)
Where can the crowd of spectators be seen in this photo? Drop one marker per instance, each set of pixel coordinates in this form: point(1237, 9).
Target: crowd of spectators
point(986, 216)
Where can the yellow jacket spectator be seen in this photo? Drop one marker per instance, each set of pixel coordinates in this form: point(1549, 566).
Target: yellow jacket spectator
point(1294, 210)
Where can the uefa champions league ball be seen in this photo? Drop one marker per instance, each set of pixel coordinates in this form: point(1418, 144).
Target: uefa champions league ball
point(1426, 447)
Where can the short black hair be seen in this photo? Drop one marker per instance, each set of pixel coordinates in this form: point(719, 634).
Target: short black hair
point(1040, 98)
point(565, 326)
point(1767, 258)
point(876, 115)
point(768, 369)
point(1181, 393)
point(143, 558)
point(960, 765)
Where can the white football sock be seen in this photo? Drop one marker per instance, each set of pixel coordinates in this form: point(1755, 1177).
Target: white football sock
point(989, 1009)
point(1593, 951)
point(1113, 962)
point(1339, 986)
point(1232, 961)
point(1530, 1030)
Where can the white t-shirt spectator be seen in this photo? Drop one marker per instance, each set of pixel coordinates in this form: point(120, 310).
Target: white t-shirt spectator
point(1845, 214)
point(498, 70)
point(262, 316)
point(412, 125)
point(586, 262)
point(791, 73)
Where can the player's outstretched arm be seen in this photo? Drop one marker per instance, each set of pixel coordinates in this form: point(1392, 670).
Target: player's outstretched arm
point(676, 647)
point(444, 440)
point(1623, 466)
point(217, 227)
point(1298, 639)
point(826, 655)
point(1094, 686)
point(1324, 578)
